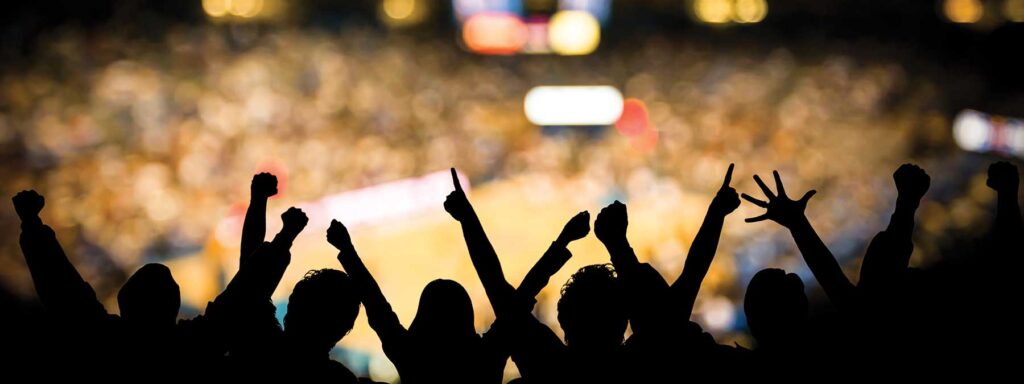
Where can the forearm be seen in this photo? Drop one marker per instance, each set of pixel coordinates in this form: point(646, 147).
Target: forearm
point(254, 228)
point(372, 296)
point(486, 263)
point(901, 223)
point(622, 255)
point(1008, 218)
point(823, 264)
point(57, 281)
point(540, 274)
point(698, 262)
point(378, 311)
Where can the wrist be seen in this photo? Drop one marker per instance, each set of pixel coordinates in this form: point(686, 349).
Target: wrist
point(31, 221)
point(798, 223)
point(907, 202)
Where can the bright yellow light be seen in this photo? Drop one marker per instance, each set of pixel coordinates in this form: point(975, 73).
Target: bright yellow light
point(1014, 10)
point(573, 33)
point(713, 11)
point(963, 11)
point(216, 8)
point(402, 13)
point(245, 8)
point(399, 9)
point(750, 11)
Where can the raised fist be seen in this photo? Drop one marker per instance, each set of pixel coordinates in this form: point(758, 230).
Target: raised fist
point(28, 204)
point(911, 181)
point(1002, 177)
point(338, 235)
point(577, 228)
point(610, 225)
point(264, 185)
point(294, 219)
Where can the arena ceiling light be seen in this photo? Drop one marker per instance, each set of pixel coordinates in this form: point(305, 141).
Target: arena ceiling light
point(573, 105)
point(979, 132)
point(494, 33)
point(572, 33)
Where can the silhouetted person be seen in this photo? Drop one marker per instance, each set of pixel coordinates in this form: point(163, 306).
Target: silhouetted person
point(322, 307)
point(790, 214)
point(441, 345)
point(537, 351)
point(776, 309)
point(144, 340)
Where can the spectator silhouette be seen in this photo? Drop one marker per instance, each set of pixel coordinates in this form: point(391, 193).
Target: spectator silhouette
point(144, 339)
point(322, 307)
point(441, 345)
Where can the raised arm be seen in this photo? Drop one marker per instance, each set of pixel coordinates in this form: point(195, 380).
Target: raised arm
point(254, 229)
point(790, 214)
point(555, 257)
point(610, 227)
point(890, 250)
point(481, 252)
point(382, 318)
point(1005, 180)
point(258, 278)
point(59, 285)
point(646, 290)
point(705, 244)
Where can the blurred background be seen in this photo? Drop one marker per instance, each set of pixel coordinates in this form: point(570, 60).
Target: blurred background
point(143, 122)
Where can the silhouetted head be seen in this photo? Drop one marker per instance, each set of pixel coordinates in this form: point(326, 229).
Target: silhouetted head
point(322, 308)
point(150, 297)
point(775, 306)
point(592, 309)
point(445, 311)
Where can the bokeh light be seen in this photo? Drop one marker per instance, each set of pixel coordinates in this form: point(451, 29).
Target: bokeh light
point(713, 11)
point(216, 8)
point(750, 11)
point(494, 33)
point(963, 11)
point(574, 33)
point(403, 13)
point(634, 120)
point(573, 105)
point(245, 8)
point(1014, 10)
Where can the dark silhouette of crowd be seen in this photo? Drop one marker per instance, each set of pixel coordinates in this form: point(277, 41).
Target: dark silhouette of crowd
point(895, 321)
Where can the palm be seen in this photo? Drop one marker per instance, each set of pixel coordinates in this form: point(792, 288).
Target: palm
point(779, 208)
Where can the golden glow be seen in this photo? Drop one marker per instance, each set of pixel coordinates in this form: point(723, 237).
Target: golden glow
point(240, 8)
point(245, 8)
point(1014, 10)
point(713, 11)
point(402, 13)
point(216, 8)
point(494, 34)
point(749, 11)
point(963, 11)
point(574, 33)
point(399, 9)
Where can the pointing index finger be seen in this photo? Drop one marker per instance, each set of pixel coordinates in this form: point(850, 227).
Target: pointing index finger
point(455, 180)
point(728, 176)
